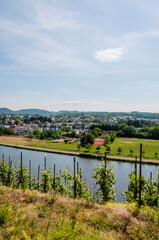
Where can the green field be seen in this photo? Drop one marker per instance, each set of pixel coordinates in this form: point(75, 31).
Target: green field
point(149, 147)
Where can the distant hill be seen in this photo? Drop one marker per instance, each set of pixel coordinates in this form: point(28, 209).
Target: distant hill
point(6, 111)
point(34, 111)
point(31, 111)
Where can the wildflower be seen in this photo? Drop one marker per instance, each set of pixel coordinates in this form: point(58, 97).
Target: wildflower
point(25, 198)
point(5, 195)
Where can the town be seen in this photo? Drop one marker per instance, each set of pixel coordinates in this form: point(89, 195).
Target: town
point(66, 126)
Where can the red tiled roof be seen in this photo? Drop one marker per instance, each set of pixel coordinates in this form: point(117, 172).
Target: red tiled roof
point(77, 142)
point(99, 142)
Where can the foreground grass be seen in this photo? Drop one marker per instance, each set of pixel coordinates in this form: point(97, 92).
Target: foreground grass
point(32, 215)
point(150, 147)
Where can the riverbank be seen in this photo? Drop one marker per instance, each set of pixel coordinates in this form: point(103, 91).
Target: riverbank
point(86, 155)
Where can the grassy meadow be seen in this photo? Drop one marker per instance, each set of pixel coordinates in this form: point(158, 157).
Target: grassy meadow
point(150, 147)
point(33, 215)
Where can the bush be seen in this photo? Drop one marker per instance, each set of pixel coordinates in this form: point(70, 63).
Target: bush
point(156, 154)
point(4, 214)
point(79, 147)
point(119, 150)
point(131, 152)
point(88, 146)
point(98, 148)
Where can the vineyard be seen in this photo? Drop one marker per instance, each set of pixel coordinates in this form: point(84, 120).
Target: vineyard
point(62, 206)
point(140, 190)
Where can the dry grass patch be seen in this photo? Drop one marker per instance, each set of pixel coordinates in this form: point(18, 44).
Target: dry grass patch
point(50, 216)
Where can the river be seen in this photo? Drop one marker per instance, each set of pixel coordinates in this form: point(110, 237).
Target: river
point(61, 161)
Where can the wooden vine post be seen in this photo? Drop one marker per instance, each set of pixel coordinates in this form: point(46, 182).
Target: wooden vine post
point(21, 168)
point(157, 191)
point(77, 168)
point(135, 193)
point(29, 174)
point(140, 174)
point(45, 172)
point(3, 168)
point(74, 160)
point(54, 178)
point(9, 177)
point(105, 190)
point(38, 177)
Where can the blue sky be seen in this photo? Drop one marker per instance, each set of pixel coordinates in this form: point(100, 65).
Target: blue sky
point(87, 55)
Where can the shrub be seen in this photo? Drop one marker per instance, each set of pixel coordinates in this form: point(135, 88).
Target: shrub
point(119, 150)
point(156, 154)
point(4, 214)
point(98, 148)
point(131, 152)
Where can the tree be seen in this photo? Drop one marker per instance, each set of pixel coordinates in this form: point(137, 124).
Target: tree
point(42, 136)
point(108, 149)
point(96, 132)
point(73, 134)
point(112, 136)
point(30, 136)
point(107, 139)
point(87, 138)
point(36, 132)
point(67, 129)
point(88, 146)
point(16, 122)
point(119, 150)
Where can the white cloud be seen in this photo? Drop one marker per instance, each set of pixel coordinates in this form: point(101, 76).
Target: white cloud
point(110, 55)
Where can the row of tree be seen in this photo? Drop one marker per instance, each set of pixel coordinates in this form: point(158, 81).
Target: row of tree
point(123, 130)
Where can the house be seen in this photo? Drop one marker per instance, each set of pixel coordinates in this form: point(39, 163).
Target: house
point(53, 127)
point(17, 130)
point(29, 127)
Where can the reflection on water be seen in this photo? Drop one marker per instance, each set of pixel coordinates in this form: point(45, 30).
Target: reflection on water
point(121, 169)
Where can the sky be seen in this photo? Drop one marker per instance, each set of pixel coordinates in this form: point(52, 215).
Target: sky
point(87, 55)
